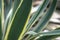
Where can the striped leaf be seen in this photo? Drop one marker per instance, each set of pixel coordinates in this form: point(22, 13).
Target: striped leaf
point(13, 8)
point(55, 32)
point(45, 35)
point(1, 17)
point(51, 34)
point(0, 20)
point(37, 14)
point(7, 10)
point(7, 7)
point(48, 37)
point(45, 19)
point(16, 26)
point(10, 10)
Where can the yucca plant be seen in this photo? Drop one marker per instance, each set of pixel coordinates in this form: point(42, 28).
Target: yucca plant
point(15, 21)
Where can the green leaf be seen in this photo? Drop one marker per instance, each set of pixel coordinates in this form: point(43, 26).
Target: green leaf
point(0, 20)
point(45, 19)
point(1, 17)
point(0, 27)
point(37, 14)
point(7, 7)
point(7, 10)
point(16, 4)
point(54, 34)
point(13, 8)
point(0, 5)
point(48, 37)
point(31, 33)
point(16, 26)
point(10, 8)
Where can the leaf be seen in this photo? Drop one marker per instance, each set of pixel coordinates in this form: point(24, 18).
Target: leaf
point(0, 27)
point(45, 19)
point(37, 14)
point(1, 17)
point(48, 37)
point(54, 34)
point(7, 10)
point(0, 20)
point(31, 33)
point(7, 7)
point(16, 26)
point(12, 7)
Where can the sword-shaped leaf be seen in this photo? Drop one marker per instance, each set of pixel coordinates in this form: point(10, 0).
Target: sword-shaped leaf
point(45, 19)
point(0, 20)
point(18, 21)
point(37, 14)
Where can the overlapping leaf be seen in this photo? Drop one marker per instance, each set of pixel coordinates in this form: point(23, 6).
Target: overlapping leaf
point(45, 19)
point(0, 20)
point(16, 26)
point(7, 7)
point(37, 14)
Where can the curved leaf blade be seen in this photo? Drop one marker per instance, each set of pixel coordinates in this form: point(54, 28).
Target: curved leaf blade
point(45, 19)
point(37, 14)
point(19, 19)
point(0, 19)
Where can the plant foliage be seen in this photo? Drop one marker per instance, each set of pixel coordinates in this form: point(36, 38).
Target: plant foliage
point(15, 20)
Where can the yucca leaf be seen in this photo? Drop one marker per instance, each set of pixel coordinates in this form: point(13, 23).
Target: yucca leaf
point(7, 10)
point(7, 7)
point(10, 8)
point(37, 14)
point(45, 19)
point(2, 13)
point(1, 17)
point(0, 20)
point(31, 33)
point(16, 4)
point(13, 7)
point(54, 33)
point(48, 37)
point(45, 35)
point(0, 27)
point(0, 5)
point(19, 19)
